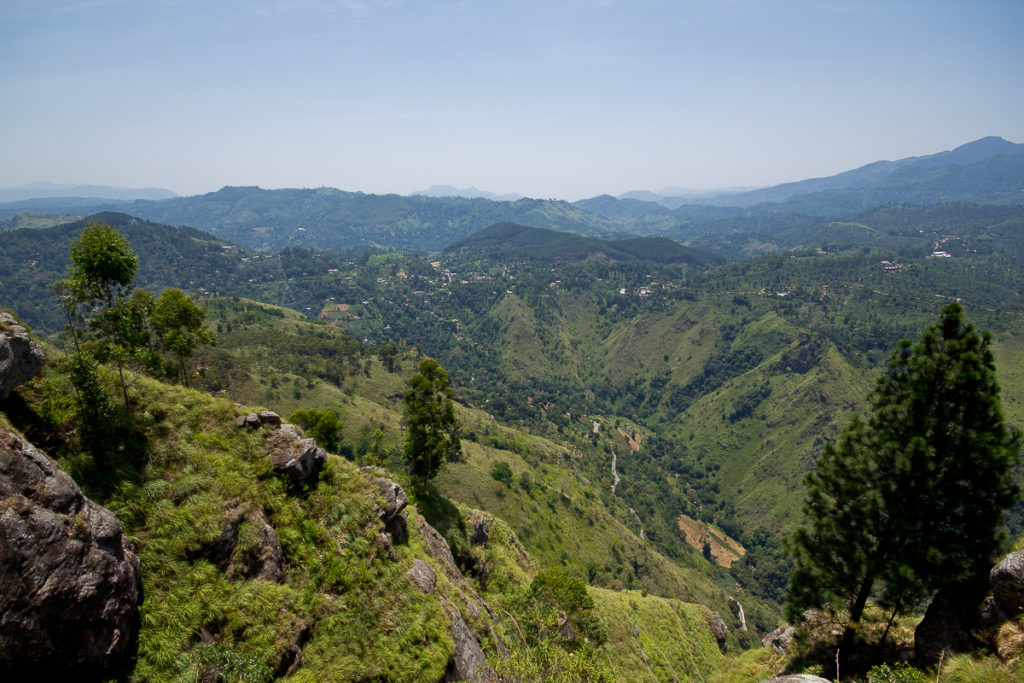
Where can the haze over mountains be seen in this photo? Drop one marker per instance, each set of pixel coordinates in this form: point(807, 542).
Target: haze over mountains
point(987, 171)
point(468, 193)
point(47, 190)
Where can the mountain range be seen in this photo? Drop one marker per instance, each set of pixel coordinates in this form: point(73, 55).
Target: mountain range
point(44, 190)
point(986, 171)
point(467, 193)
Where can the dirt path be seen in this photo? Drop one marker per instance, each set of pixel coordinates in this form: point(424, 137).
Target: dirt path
point(615, 474)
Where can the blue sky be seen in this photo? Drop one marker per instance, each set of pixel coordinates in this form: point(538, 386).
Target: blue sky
point(564, 99)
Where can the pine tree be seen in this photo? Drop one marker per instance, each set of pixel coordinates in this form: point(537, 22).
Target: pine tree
point(910, 499)
point(433, 431)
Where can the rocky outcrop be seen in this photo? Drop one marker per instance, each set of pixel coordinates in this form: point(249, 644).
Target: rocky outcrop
point(947, 626)
point(469, 663)
point(262, 559)
point(780, 639)
point(1007, 580)
point(294, 456)
point(269, 418)
point(21, 357)
point(69, 581)
point(797, 678)
point(962, 618)
point(719, 630)
point(264, 418)
point(423, 576)
point(438, 549)
point(291, 658)
point(393, 502)
point(480, 523)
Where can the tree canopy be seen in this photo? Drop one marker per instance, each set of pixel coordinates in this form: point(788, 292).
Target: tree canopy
point(322, 425)
point(433, 431)
point(178, 323)
point(103, 262)
point(911, 497)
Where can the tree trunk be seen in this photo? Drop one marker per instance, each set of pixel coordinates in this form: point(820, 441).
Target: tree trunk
point(124, 389)
point(856, 612)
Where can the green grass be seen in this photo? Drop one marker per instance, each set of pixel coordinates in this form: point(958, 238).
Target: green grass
point(656, 639)
point(361, 615)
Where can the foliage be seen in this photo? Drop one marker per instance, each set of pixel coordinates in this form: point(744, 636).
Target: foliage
point(674, 364)
point(178, 323)
point(653, 638)
point(899, 673)
point(546, 661)
point(322, 425)
point(344, 602)
point(103, 264)
point(432, 430)
point(228, 665)
point(911, 499)
point(502, 472)
point(96, 414)
point(103, 267)
point(562, 598)
point(505, 241)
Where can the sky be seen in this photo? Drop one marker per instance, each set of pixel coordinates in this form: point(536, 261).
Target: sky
point(555, 98)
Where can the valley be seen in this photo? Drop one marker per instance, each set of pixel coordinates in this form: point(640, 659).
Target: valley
point(641, 392)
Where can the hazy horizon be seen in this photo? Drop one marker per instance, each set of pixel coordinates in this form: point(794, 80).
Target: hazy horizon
point(567, 99)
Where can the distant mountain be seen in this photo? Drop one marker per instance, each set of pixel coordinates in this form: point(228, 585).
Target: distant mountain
point(43, 190)
point(330, 219)
point(989, 170)
point(674, 197)
point(468, 193)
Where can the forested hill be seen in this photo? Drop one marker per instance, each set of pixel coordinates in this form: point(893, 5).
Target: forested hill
point(329, 219)
point(986, 171)
point(513, 241)
point(31, 259)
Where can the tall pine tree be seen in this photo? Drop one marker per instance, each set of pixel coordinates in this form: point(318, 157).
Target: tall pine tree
point(911, 498)
point(433, 432)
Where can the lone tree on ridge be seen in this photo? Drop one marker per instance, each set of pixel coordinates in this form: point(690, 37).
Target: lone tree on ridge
point(433, 431)
point(910, 499)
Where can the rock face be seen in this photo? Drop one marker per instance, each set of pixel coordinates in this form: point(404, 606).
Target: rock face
point(21, 357)
point(963, 618)
point(719, 630)
point(946, 627)
point(293, 455)
point(481, 528)
point(394, 502)
point(423, 576)
point(265, 418)
point(438, 549)
point(1007, 579)
point(779, 639)
point(263, 559)
point(69, 581)
point(469, 663)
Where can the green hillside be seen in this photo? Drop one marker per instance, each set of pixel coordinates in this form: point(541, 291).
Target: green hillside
point(556, 510)
point(699, 390)
point(339, 599)
point(509, 241)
